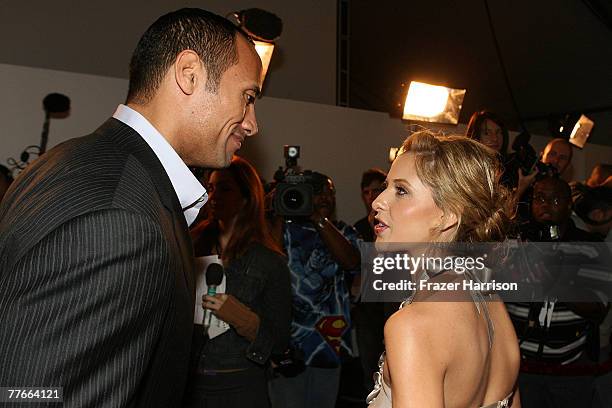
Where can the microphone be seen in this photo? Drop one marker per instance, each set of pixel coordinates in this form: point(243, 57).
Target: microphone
point(214, 276)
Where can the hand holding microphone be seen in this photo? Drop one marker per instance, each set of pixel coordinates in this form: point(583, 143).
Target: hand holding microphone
point(214, 277)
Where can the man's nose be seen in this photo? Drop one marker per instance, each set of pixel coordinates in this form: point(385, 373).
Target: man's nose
point(545, 206)
point(249, 122)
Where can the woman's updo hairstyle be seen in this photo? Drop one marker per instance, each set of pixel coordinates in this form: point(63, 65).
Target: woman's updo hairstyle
point(463, 177)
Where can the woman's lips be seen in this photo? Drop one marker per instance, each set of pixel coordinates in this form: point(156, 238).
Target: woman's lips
point(380, 227)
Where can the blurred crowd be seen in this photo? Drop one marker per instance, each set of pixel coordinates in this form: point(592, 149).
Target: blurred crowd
point(298, 328)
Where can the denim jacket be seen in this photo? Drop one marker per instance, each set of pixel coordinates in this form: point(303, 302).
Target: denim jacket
point(259, 279)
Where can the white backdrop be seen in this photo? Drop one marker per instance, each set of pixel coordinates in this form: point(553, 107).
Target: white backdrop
point(340, 142)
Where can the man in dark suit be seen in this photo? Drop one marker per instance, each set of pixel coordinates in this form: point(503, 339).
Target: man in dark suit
point(96, 292)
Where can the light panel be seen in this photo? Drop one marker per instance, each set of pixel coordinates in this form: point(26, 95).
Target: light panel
point(265, 50)
point(581, 132)
point(433, 103)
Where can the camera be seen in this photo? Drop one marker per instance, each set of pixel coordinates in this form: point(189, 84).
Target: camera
point(289, 363)
point(545, 170)
point(294, 189)
point(528, 160)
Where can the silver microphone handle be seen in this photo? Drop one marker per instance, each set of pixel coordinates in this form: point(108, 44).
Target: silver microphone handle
point(206, 320)
point(208, 313)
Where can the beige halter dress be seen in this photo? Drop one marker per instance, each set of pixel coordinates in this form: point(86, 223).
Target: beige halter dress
point(380, 397)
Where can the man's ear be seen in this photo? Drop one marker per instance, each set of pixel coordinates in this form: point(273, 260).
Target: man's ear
point(189, 72)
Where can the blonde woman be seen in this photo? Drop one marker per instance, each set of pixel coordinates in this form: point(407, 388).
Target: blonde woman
point(439, 353)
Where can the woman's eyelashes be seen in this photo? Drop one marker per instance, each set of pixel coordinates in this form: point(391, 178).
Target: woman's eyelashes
point(400, 190)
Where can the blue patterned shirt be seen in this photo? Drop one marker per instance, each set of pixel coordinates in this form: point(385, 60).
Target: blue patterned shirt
point(321, 305)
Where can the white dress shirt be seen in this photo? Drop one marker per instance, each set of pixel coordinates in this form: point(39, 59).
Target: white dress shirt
point(190, 192)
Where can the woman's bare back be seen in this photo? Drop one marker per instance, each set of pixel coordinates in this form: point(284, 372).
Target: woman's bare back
point(481, 362)
point(482, 373)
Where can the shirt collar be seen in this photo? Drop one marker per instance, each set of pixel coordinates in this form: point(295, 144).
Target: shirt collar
point(190, 192)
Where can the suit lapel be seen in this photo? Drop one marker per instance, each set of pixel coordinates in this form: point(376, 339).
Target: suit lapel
point(131, 142)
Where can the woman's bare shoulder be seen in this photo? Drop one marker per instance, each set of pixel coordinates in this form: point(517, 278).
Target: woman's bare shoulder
point(423, 324)
point(428, 315)
point(417, 358)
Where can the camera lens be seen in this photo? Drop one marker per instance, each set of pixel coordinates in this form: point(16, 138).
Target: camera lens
point(293, 199)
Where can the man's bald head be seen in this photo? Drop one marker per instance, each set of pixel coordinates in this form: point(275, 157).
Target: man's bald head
point(558, 153)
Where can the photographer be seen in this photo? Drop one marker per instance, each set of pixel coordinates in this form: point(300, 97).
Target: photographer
point(321, 252)
point(558, 153)
point(552, 206)
point(552, 162)
point(555, 159)
point(559, 340)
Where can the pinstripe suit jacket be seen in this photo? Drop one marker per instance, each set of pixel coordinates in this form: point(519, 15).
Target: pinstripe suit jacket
point(96, 291)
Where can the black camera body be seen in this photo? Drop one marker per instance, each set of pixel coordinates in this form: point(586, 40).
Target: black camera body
point(294, 190)
point(545, 170)
point(294, 194)
point(528, 160)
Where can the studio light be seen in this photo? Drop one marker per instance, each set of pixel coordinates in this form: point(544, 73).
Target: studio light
point(265, 50)
point(264, 28)
point(581, 132)
point(433, 103)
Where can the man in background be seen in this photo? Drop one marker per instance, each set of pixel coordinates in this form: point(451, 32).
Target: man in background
point(557, 156)
point(559, 338)
point(558, 153)
point(371, 186)
point(323, 255)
